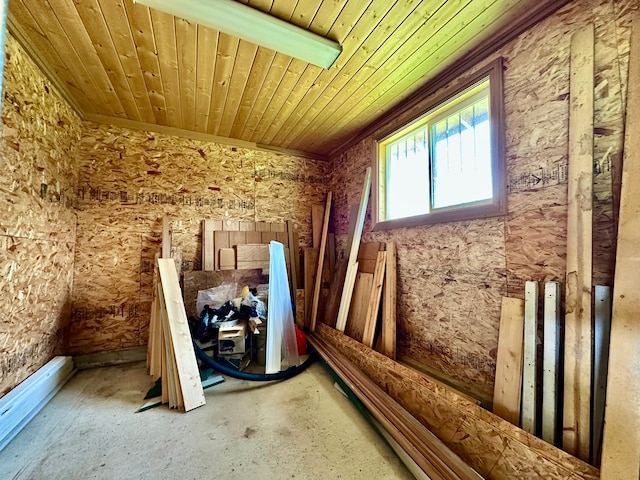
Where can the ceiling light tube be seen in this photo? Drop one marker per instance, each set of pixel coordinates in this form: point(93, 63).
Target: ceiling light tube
point(252, 25)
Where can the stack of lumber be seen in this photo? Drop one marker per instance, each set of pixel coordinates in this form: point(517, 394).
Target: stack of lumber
point(171, 355)
point(231, 245)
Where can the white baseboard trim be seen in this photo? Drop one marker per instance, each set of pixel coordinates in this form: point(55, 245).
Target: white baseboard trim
point(20, 405)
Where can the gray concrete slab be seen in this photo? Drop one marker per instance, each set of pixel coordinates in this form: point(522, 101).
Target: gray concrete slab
point(301, 428)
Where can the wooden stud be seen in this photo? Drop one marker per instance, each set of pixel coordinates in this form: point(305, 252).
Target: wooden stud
point(347, 291)
point(317, 215)
point(373, 307)
point(318, 283)
point(388, 330)
point(578, 331)
point(529, 369)
point(601, 339)
point(356, 322)
point(621, 442)
point(508, 384)
point(551, 362)
point(207, 245)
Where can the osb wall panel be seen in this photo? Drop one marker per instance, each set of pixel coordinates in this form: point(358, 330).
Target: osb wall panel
point(129, 180)
point(451, 276)
point(38, 151)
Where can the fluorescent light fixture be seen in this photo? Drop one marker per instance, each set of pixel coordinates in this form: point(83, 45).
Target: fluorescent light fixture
point(254, 26)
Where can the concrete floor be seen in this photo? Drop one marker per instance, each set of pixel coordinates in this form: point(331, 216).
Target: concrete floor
point(301, 428)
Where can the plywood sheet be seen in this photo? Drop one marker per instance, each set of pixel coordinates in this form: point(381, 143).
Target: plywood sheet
point(38, 152)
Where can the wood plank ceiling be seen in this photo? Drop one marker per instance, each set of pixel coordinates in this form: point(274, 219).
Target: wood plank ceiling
point(120, 62)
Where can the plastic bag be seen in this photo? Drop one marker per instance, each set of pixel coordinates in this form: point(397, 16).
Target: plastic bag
point(216, 297)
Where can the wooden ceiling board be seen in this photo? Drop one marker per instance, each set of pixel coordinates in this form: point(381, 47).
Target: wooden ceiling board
point(322, 23)
point(121, 36)
point(187, 52)
point(377, 97)
point(144, 38)
point(96, 27)
point(73, 82)
point(257, 77)
point(381, 45)
point(82, 54)
point(304, 13)
point(207, 53)
point(352, 35)
point(165, 40)
point(241, 70)
point(226, 58)
point(125, 63)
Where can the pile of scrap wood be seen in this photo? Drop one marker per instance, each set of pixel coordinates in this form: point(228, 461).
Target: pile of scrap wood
point(170, 350)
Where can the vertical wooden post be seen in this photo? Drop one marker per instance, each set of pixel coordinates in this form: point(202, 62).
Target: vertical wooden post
point(317, 287)
point(550, 362)
point(621, 443)
point(578, 330)
point(529, 370)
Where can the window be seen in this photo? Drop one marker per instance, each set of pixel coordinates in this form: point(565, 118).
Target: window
point(447, 164)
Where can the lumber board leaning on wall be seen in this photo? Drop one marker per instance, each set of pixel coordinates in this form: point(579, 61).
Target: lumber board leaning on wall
point(486, 442)
point(621, 442)
point(508, 384)
point(577, 360)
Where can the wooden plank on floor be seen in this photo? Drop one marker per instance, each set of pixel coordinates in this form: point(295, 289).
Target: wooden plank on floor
point(373, 308)
point(508, 384)
point(551, 362)
point(388, 330)
point(601, 339)
point(621, 442)
point(187, 367)
point(529, 368)
point(350, 278)
point(578, 331)
point(317, 287)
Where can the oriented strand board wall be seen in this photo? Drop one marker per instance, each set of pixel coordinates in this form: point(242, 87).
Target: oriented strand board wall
point(38, 152)
point(129, 180)
point(451, 276)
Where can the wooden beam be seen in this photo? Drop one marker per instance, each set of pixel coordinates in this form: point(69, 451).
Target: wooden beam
point(508, 384)
point(621, 443)
point(318, 283)
point(529, 368)
point(388, 330)
point(578, 331)
point(551, 362)
point(347, 291)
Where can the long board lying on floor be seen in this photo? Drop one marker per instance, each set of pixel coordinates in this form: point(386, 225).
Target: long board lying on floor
point(490, 445)
point(425, 449)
